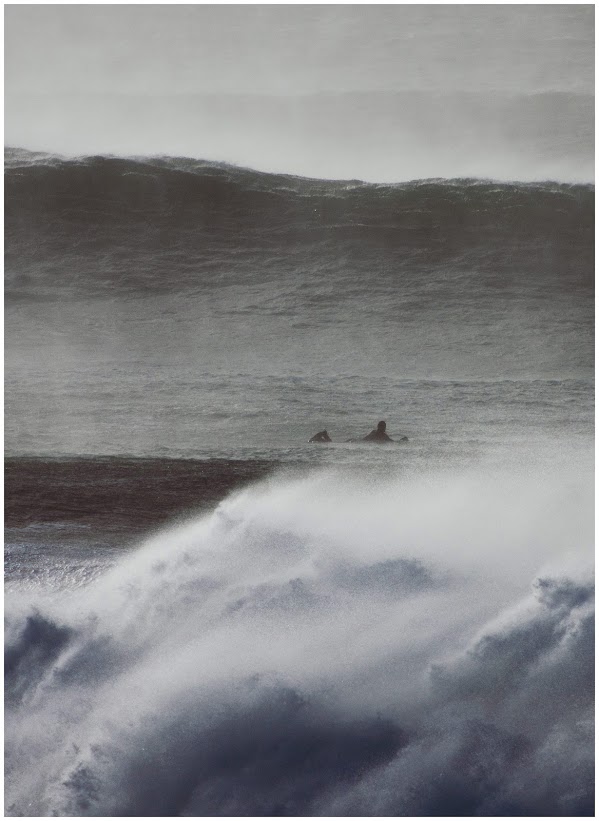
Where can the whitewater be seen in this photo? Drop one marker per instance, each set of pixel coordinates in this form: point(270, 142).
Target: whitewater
point(206, 614)
point(334, 643)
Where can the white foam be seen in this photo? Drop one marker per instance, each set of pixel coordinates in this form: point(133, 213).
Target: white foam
point(348, 591)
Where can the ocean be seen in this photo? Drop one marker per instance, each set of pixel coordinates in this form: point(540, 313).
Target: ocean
point(206, 615)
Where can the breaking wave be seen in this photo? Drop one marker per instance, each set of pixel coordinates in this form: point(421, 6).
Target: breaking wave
point(320, 645)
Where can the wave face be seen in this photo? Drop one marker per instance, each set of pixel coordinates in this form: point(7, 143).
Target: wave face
point(166, 306)
point(106, 225)
point(329, 644)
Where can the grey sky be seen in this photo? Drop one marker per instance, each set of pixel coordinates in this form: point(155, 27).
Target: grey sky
point(282, 49)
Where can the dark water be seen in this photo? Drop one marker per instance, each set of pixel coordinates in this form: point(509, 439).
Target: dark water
point(205, 614)
point(60, 513)
point(171, 307)
point(106, 225)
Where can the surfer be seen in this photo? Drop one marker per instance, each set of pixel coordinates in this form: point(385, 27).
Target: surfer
point(321, 436)
point(378, 435)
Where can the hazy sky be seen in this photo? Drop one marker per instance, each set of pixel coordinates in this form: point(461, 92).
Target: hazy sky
point(134, 79)
point(149, 49)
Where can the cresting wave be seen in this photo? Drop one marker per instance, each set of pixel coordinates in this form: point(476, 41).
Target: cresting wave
point(374, 136)
point(323, 645)
point(101, 223)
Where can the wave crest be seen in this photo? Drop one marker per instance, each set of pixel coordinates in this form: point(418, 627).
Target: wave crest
point(318, 646)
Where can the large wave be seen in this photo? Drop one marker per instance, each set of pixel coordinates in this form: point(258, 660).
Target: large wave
point(322, 645)
point(105, 225)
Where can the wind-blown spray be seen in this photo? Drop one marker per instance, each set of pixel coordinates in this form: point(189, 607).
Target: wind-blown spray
point(322, 645)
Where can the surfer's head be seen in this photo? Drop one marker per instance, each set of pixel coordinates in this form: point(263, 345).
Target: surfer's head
point(381, 427)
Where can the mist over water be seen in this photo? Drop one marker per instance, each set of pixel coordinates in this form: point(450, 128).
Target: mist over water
point(380, 93)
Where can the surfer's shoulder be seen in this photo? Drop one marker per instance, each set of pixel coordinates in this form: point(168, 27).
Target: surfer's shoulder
point(321, 436)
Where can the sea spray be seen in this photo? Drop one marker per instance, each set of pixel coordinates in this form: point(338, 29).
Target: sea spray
point(336, 643)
